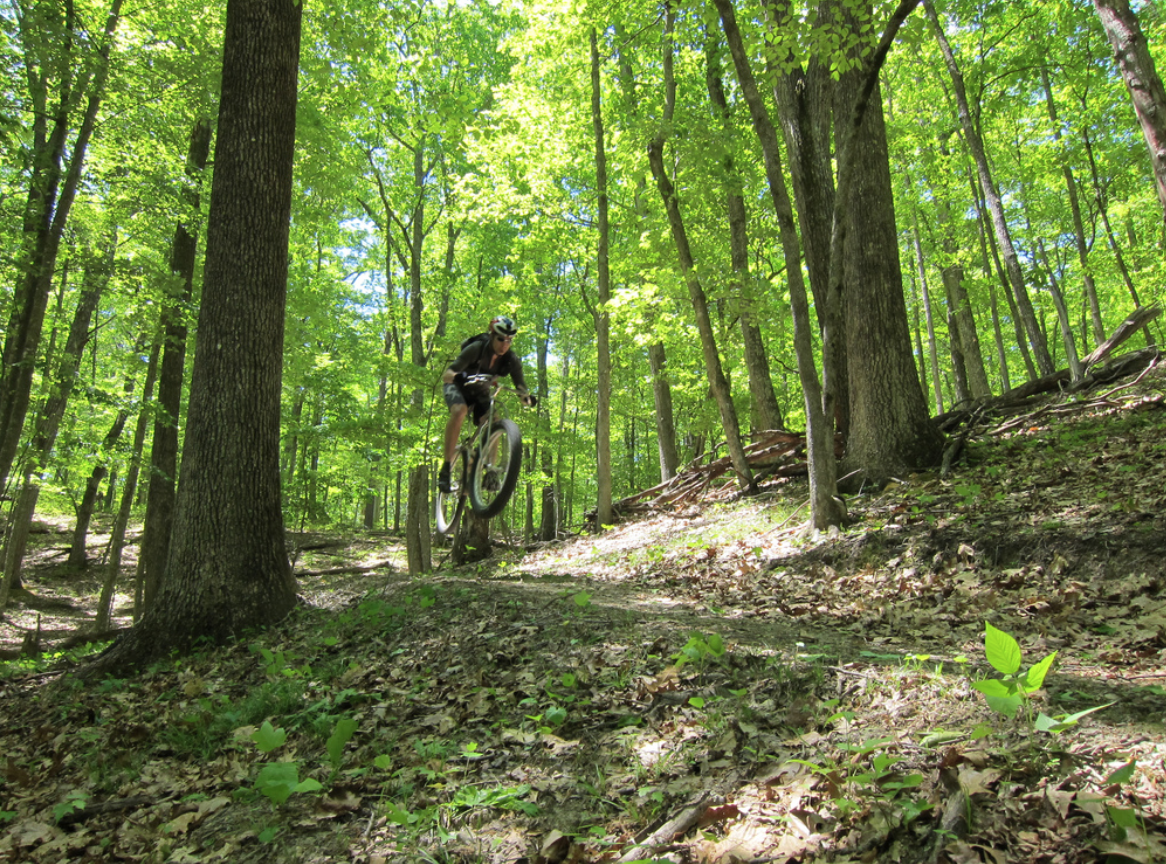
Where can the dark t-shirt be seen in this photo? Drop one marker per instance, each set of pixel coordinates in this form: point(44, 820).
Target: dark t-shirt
point(478, 358)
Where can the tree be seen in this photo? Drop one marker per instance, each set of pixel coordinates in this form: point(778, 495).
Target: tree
point(890, 430)
point(712, 362)
point(52, 189)
point(1132, 53)
point(228, 568)
point(171, 373)
point(603, 514)
point(992, 195)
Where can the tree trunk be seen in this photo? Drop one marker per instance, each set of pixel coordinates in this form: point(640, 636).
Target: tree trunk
point(765, 411)
point(46, 215)
point(825, 507)
point(805, 100)
point(890, 428)
point(932, 348)
point(163, 472)
point(48, 421)
point(995, 203)
point(228, 569)
point(603, 475)
point(712, 360)
point(121, 521)
point(1137, 70)
point(1115, 247)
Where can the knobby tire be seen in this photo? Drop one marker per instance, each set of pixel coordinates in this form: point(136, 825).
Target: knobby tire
point(507, 463)
point(448, 505)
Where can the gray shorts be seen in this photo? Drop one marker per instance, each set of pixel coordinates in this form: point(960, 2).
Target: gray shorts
point(454, 396)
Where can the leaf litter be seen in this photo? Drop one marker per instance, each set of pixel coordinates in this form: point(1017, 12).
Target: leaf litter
point(707, 684)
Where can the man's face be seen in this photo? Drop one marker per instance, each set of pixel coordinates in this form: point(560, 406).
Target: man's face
point(501, 343)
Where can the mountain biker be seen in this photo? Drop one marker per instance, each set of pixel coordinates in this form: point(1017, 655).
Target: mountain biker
point(470, 380)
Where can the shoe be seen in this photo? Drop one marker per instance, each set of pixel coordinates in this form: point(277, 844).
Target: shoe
point(492, 482)
point(443, 479)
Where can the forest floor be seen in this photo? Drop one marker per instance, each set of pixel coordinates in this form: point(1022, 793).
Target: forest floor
point(706, 685)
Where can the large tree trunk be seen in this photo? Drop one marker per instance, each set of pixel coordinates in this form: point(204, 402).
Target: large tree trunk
point(805, 100)
point(890, 428)
point(163, 472)
point(1137, 69)
point(603, 470)
point(228, 569)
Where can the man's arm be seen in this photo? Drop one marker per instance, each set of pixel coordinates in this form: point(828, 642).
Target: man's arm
point(462, 362)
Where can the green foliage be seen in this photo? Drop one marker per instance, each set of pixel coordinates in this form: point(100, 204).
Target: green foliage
point(278, 781)
point(1006, 695)
point(700, 649)
point(341, 735)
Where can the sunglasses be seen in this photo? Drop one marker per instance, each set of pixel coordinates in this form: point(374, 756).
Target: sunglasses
point(501, 339)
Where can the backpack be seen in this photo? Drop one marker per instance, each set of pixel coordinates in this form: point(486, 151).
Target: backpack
point(484, 337)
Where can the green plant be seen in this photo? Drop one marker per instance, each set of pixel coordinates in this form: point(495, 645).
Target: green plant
point(1006, 695)
point(699, 649)
point(278, 781)
point(75, 800)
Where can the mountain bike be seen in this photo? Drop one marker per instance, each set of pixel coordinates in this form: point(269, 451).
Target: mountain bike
point(485, 469)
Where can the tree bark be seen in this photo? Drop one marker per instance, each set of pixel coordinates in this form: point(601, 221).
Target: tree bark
point(995, 203)
point(766, 414)
point(45, 217)
point(228, 569)
point(163, 472)
point(603, 476)
point(117, 533)
point(48, 421)
point(712, 360)
point(1136, 65)
point(890, 428)
point(825, 507)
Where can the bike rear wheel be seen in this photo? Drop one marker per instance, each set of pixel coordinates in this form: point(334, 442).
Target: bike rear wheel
point(494, 473)
point(448, 505)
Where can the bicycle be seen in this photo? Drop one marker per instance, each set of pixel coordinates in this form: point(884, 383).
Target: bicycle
point(484, 468)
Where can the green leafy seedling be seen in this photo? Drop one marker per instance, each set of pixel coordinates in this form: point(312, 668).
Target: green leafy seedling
point(1006, 695)
point(280, 780)
point(268, 737)
point(341, 734)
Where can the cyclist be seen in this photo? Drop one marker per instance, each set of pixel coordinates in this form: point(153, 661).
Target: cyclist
point(470, 380)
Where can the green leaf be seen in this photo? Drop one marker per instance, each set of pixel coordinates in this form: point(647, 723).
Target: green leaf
point(716, 645)
point(278, 781)
point(1007, 706)
point(1123, 774)
point(696, 702)
point(1123, 817)
point(267, 737)
point(1035, 677)
point(309, 784)
point(1002, 650)
point(1045, 723)
point(994, 687)
point(341, 734)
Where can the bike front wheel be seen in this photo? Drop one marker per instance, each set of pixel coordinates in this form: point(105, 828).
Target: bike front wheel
point(494, 473)
point(449, 504)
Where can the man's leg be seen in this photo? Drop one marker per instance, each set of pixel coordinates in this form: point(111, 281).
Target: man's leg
point(453, 430)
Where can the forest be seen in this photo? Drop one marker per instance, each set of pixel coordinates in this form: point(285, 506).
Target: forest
point(245, 240)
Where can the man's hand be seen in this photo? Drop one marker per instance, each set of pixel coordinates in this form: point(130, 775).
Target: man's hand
point(529, 400)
